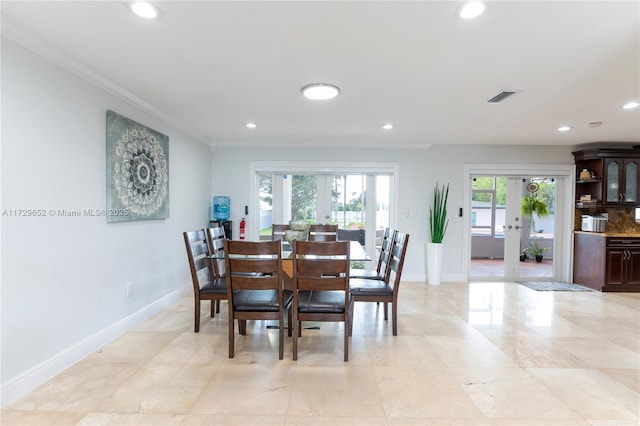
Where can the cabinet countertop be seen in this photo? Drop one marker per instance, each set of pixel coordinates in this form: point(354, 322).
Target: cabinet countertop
point(610, 234)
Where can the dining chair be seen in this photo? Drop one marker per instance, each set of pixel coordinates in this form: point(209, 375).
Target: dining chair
point(277, 231)
point(206, 283)
point(381, 270)
point(374, 290)
point(323, 232)
point(255, 287)
point(321, 286)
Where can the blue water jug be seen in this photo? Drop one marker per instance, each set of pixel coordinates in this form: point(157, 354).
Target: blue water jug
point(221, 207)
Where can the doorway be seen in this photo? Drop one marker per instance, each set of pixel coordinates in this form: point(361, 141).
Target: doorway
point(502, 240)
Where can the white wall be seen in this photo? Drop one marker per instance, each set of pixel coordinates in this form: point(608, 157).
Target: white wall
point(64, 278)
point(419, 172)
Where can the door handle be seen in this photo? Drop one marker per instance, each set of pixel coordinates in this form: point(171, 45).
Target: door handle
point(517, 227)
point(509, 226)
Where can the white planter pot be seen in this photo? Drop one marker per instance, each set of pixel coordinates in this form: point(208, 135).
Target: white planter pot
point(434, 263)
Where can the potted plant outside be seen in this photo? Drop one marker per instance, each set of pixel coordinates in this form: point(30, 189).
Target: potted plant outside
point(533, 204)
point(536, 251)
point(438, 223)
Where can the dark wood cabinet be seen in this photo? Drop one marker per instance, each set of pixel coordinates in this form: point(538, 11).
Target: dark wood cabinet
point(615, 179)
point(607, 263)
point(623, 264)
point(589, 260)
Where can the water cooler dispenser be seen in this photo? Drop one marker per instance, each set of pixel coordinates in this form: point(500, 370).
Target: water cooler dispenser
point(220, 213)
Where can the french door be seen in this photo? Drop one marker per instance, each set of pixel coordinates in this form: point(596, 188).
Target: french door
point(500, 240)
point(504, 241)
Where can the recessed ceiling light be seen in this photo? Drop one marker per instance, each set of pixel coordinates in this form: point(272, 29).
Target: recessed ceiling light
point(320, 91)
point(144, 9)
point(631, 105)
point(251, 125)
point(388, 126)
point(472, 9)
point(564, 128)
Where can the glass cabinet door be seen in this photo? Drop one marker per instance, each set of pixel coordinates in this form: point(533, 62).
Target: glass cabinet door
point(613, 181)
point(631, 182)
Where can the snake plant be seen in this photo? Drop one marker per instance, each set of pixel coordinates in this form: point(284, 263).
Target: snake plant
point(438, 221)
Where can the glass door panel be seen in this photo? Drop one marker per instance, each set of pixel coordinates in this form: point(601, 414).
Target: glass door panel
point(379, 201)
point(348, 201)
point(304, 198)
point(487, 226)
point(283, 197)
point(613, 183)
point(537, 233)
point(265, 206)
point(631, 182)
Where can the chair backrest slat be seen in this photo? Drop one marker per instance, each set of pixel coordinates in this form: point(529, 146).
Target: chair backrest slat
point(323, 232)
point(266, 265)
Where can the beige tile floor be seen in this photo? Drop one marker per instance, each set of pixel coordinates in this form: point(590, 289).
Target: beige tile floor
point(466, 354)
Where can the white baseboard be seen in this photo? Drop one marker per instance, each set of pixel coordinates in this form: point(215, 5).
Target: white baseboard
point(18, 386)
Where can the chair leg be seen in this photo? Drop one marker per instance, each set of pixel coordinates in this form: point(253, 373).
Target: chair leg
point(394, 318)
point(289, 322)
point(231, 337)
point(295, 337)
point(386, 316)
point(196, 327)
point(218, 306)
point(281, 337)
point(346, 338)
point(213, 304)
point(351, 309)
point(242, 327)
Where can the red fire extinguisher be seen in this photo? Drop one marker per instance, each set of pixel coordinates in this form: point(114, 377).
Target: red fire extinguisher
point(242, 224)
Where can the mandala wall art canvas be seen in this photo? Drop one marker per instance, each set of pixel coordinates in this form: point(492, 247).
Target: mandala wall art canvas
point(137, 171)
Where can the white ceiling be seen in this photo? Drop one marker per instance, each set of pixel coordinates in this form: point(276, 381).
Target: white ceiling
point(208, 67)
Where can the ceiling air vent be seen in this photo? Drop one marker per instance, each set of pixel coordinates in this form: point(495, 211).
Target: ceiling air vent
point(501, 96)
